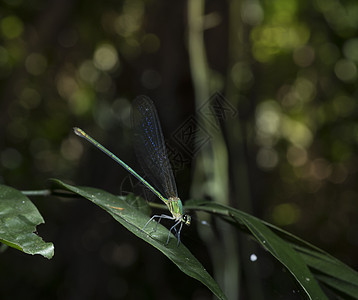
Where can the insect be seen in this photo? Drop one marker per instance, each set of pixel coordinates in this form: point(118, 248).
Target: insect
point(151, 152)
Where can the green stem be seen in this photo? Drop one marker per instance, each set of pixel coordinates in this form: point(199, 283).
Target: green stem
point(47, 192)
point(37, 193)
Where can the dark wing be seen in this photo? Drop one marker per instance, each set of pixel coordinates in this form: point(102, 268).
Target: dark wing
point(150, 148)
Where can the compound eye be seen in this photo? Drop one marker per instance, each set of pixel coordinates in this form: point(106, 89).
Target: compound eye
point(186, 219)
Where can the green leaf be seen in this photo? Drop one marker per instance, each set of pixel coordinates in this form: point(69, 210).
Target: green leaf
point(279, 248)
point(331, 272)
point(18, 220)
point(134, 220)
point(334, 274)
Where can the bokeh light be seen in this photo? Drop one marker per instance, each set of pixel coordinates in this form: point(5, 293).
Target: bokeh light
point(36, 64)
point(346, 70)
point(11, 27)
point(106, 58)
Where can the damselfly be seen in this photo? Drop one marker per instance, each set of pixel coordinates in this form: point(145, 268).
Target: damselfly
point(152, 155)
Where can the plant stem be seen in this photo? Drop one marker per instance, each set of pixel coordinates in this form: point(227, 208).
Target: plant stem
point(49, 192)
point(37, 193)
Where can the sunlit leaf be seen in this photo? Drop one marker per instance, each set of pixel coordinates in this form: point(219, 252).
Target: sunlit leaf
point(18, 220)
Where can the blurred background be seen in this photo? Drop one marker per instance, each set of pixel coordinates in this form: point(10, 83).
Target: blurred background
point(258, 104)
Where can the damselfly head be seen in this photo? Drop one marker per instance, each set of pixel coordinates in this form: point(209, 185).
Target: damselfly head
point(186, 219)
